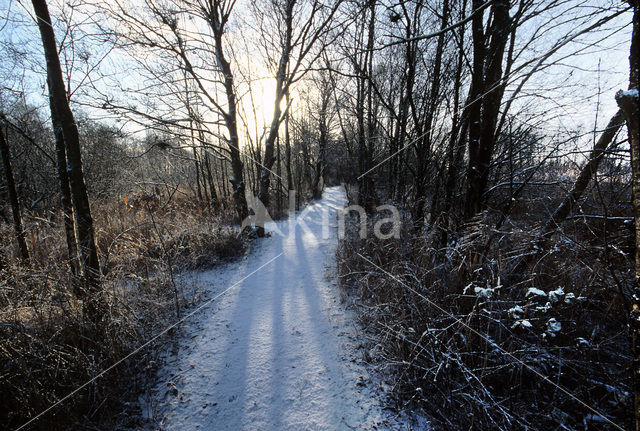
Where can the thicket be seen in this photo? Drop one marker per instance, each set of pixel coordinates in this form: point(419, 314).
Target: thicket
point(478, 328)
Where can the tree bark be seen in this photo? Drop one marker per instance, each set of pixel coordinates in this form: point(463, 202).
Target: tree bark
point(279, 174)
point(212, 187)
point(287, 145)
point(475, 107)
point(370, 196)
point(237, 178)
point(59, 101)
point(629, 103)
point(488, 91)
point(65, 193)
point(217, 21)
point(363, 68)
point(13, 199)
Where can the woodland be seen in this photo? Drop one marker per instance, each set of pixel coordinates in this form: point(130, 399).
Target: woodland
point(137, 136)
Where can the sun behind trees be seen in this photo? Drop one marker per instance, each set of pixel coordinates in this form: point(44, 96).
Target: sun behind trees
point(134, 149)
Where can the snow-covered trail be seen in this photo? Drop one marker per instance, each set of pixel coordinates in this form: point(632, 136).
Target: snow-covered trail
point(277, 351)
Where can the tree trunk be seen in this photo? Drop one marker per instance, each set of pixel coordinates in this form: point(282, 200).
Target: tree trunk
point(475, 107)
point(279, 174)
point(455, 150)
point(363, 98)
point(212, 187)
point(563, 210)
point(230, 118)
point(282, 87)
point(58, 96)
point(197, 170)
point(586, 174)
point(287, 145)
point(370, 197)
point(269, 157)
point(316, 189)
point(629, 102)
point(224, 175)
point(237, 179)
point(193, 139)
point(65, 193)
point(426, 141)
point(487, 97)
point(13, 198)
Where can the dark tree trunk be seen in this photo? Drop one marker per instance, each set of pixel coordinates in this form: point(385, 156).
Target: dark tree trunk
point(224, 175)
point(237, 179)
point(475, 107)
point(203, 175)
point(287, 146)
point(370, 197)
point(13, 199)
point(629, 102)
point(316, 189)
point(455, 150)
point(400, 135)
point(65, 194)
point(425, 149)
point(197, 169)
point(279, 174)
point(217, 22)
point(193, 140)
point(58, 95)
point(487, 97)
point(212, 187)
point(365, 128)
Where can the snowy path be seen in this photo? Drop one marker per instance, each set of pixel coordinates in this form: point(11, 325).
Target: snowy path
point(276, 352)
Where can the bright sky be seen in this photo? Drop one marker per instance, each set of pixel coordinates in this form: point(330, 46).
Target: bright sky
point(574, 93)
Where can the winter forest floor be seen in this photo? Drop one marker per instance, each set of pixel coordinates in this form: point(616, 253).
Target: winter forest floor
point(277, 349)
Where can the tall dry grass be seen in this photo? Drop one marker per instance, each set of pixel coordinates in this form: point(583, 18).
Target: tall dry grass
point(48, 348)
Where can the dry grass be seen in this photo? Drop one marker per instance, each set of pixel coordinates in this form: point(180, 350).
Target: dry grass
point(438, 363)
point(48, 348)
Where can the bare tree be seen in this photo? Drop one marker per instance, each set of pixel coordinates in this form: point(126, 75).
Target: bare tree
point(61, 111)
point(487, 90)
point(218, 13)
point(13, 198)
point(203, 57)
point(323, 120)
point(297, 52)
point(65, 192)
point(587, 172)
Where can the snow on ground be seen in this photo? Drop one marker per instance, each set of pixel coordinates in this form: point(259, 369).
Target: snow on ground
point(276, 352)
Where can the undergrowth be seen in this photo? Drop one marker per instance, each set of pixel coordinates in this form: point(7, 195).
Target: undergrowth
point(465, 339)
point(49, 348)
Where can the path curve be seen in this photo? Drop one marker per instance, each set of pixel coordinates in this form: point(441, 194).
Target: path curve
point(279, 350)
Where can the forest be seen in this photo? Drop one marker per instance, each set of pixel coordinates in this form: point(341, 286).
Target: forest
point(480, 162)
